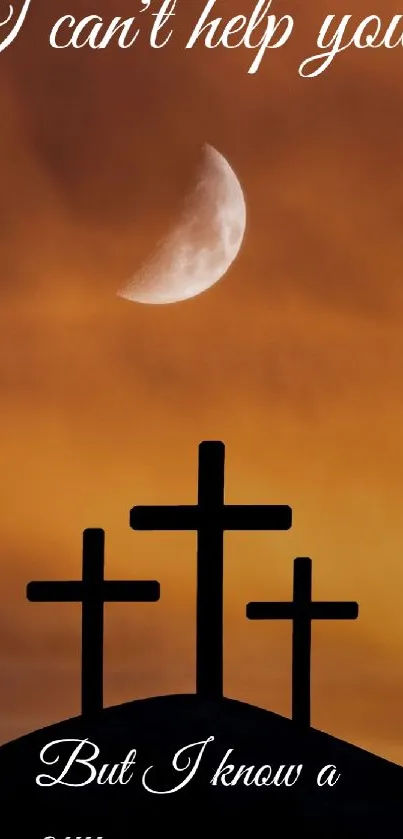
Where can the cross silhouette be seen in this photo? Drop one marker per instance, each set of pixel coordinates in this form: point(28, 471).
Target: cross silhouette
point(302, 611)
point(210, 517)
point(93, 591)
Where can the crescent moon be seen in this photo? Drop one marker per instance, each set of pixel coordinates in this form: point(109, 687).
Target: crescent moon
point(202, 246)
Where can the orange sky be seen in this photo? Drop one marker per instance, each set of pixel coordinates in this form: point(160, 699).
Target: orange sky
point(294, 360)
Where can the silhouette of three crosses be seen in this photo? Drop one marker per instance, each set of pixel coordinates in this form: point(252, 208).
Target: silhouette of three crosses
point(209, 518)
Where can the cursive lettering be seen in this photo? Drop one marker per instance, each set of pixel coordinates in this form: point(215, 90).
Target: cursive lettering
point(333, 40)
point(262, 776)
point(107, 773)
point(175, 763)
point(17, 24)
point(270, 39)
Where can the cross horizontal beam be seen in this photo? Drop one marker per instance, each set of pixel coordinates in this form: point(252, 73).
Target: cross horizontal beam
point(226, 517)
point(317, 610)
point(110, 591)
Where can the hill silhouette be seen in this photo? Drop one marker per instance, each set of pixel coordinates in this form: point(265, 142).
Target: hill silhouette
point(366, 800)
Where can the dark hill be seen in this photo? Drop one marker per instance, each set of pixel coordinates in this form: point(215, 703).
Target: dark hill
point(366, 801)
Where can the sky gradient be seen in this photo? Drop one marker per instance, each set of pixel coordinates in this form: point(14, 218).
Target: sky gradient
point(294, 360)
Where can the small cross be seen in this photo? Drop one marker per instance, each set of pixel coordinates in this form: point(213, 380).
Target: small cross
point(210, 517)
point(302, 611)
point(93, 591)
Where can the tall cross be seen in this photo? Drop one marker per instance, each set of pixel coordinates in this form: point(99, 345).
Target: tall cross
point(302, 611)
point(210, 517)
point(93, 591)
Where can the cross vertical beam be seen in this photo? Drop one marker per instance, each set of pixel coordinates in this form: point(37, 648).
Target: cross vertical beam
point(92, 622)
point(301, 642)
point(210, 573)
